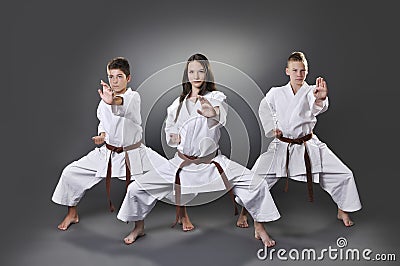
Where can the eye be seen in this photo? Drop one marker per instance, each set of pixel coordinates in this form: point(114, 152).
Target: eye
point(191, 71)
point(110, 77)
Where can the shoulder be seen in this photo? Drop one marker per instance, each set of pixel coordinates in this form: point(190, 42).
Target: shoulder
point(274, 90)
point(216, 95)
point(279, 88)
point(131, 93)
point(309, 88)
point(174, 105)
point(131, 96)
point(308, 85)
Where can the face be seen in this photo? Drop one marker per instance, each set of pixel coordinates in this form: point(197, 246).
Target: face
point(196, 74)
point(297, 72)
point(118, 80)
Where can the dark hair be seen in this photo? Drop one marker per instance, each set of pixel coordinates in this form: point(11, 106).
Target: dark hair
point(119, 63)
point(208, 84)
point(298, 57)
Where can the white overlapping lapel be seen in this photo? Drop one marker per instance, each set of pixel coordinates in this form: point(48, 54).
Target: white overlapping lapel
point(298, 99)
point(285, 103)
point(183, 115)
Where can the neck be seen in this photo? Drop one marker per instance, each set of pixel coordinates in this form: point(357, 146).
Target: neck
point(121, 92)
point(195, 91)
point(295, 87)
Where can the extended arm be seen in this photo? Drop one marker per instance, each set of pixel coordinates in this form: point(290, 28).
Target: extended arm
point(130, 109)
point(213, 107)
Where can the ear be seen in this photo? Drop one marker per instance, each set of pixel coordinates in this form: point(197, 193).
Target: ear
point(287, 71)
point(128, 78)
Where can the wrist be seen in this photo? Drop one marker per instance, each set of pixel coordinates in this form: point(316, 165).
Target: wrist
point(319, 102)
point(216, 112)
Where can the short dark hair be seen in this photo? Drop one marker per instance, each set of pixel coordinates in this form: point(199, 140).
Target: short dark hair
point(119, 63)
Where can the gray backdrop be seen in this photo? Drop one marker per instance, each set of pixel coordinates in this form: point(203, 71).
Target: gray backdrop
point(54, 55)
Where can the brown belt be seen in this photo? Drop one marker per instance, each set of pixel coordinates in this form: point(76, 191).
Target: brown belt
point(307, 161)
point(198, 160)
point(127, 167)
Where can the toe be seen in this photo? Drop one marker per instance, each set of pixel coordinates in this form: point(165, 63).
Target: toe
point(62, 227)
point(349, 223)
point(128, 240)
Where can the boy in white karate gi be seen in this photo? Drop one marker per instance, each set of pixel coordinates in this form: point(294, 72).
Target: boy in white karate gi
point(122, 155)
point(296, 152)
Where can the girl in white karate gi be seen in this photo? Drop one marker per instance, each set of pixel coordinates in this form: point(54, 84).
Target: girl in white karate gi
point(294, 108)
point(120, 126)
point(193, 127)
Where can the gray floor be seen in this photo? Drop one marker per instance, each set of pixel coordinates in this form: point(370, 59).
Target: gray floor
point(97, 239)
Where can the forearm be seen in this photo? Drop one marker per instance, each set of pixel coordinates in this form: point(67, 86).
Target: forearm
point(214, 120)
point(127, 107)
point(319, 102)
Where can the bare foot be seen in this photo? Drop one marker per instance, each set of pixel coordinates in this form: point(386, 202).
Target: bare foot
point(186, 224)
point(242, 220)
point(261, 234)
point(137, 232)
point(70, 218)
point(344, 216)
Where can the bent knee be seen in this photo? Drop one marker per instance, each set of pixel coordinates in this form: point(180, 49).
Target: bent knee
point(133, 189)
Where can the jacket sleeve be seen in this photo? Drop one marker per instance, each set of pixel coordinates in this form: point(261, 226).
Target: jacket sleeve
point(217, 99)
point(130, 109)
point(100, 127)
point(171, 126)
point(316, 109)
point(267, 114)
